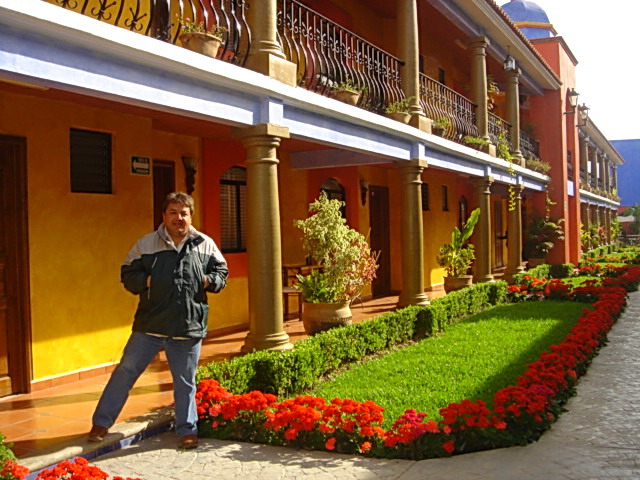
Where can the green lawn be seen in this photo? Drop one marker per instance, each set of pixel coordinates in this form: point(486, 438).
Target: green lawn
point(471, 360)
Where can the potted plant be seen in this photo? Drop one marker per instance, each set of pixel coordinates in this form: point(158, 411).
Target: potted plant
point(348, 264)
point(195, 37)
point(476, 142)
point(400, 109)
point(347, 92)
point(439, 126)
point(457, 255)
point(541, 235)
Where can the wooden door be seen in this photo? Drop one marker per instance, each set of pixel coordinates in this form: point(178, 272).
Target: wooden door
point(499, 235)
point(379, 215)
point(164, 182)
point(15, 340)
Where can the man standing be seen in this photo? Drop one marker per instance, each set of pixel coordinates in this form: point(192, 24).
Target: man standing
point(170, 270)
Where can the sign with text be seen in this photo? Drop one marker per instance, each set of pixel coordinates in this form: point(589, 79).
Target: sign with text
point(140, 165)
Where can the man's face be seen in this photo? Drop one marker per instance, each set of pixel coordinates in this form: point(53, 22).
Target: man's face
point(177, 220)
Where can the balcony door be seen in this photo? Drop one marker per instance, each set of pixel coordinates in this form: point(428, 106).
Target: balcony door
point(15, 340)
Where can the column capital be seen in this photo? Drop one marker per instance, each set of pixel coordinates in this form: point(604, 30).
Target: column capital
point(479, 42)
point(261, 130)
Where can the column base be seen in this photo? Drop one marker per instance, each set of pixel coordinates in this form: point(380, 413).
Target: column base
point(422, 123)
point(274, 341)
point(274, 67)
point(417, 299)
point(510, 272)
point(483, 278)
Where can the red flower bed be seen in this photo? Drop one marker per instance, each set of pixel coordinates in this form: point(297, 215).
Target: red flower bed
point(520, 413)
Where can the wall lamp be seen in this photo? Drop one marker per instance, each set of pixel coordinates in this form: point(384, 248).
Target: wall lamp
point(364, 188)
point(509, 62)
point(190, 165)
point(583, 113)
point(572, 96)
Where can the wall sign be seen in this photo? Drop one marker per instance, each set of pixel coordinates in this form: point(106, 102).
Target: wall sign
point(140, 165)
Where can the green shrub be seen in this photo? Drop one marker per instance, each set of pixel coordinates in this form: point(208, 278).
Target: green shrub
point(563, 270)
point(293, 371)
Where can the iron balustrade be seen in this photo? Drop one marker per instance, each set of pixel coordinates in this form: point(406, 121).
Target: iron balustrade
point(163, 19)
point(328, 55)
point(499, 129)
point(439, 102)
point(529, 147)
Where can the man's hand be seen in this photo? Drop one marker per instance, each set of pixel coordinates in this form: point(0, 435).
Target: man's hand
point(205, 282)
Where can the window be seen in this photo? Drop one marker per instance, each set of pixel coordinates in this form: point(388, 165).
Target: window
point(90, 161)
point(334, 190)
point(424, 188)
point(445, 198)
point(233, 210)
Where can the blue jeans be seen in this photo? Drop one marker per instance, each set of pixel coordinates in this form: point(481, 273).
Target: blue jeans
point(182, 355)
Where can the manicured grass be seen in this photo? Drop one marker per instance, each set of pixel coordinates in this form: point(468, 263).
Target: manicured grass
point(578, 281)
point(471, 360)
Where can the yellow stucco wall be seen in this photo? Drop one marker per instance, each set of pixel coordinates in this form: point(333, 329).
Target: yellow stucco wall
point(80, 313)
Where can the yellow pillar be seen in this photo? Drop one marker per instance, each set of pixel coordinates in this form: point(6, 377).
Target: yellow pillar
point(411, 234)
point(263, 239)
point(513, 111)
point(584, 169)
point(479, 88)
point(407, 14)
point(482, 244)
point(514, 235)
point(594, 166)
point(265, 55)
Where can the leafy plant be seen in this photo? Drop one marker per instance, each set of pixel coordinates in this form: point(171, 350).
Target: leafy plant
point(190, 26)
point(456, 256)
point(541, 236)
point(492, 89)
point(538, 165)
point(348, 262)
point(476, 142)
point(442, 123)
point(400, 106)
point(349, 85)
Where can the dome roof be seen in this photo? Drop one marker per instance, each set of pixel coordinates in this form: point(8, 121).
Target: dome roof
point(530, 18)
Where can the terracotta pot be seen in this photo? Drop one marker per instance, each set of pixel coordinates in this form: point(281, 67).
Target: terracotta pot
point(439, 131)
point(347, 96)
point(317, 317)
point(456, 283)
point(534, 262)
point(403, 117)
point(203, 43)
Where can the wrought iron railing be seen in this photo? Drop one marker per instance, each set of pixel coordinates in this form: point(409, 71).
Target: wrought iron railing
point(529, 147)
point(328, 55)
point(446, 107)
point(499, 129)
point(583, 176)
point(163, 19)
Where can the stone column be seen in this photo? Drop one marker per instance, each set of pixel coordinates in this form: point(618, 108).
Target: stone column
point(607, 224)
point(606, 179)
point(483, 243)
point(600, 169)
point(614, 173)
point(263, 238)
point(411, 234)
point(594, 166)
point(266, 55)
point(513, 111)
point(479, 87)
point(407, 15)
point(587, 222)
point(514, 236)
point(584, 154)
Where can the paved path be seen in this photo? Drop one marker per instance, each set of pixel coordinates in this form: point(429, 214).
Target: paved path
point(598, 438)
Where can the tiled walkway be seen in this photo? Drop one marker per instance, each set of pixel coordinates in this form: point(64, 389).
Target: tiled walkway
point(42, 422)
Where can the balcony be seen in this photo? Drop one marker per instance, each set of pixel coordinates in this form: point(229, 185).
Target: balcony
point(153, 19)
point(498, 129)
point(440, 102)
point(328, 55)
point(529, 147)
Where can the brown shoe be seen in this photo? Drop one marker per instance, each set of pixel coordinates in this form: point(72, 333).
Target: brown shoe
point(189, 441)
point(97, 433)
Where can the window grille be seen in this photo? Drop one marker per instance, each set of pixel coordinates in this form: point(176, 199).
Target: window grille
point(90, 161)
point(233, 210)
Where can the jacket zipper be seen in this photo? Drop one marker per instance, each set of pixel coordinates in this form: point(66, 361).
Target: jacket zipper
point(149, 289)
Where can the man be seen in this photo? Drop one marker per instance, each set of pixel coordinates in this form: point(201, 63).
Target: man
point(170, 270)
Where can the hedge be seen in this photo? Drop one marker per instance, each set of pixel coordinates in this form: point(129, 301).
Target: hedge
point(293, 371)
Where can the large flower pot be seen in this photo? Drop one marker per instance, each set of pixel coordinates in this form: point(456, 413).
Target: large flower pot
point(317, 317)
point(534, 262)
point(347, 96)
point(203, 43)
point(403, 117)
point(456, 283)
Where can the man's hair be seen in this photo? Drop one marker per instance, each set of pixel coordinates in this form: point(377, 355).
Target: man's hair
point(178, 197)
